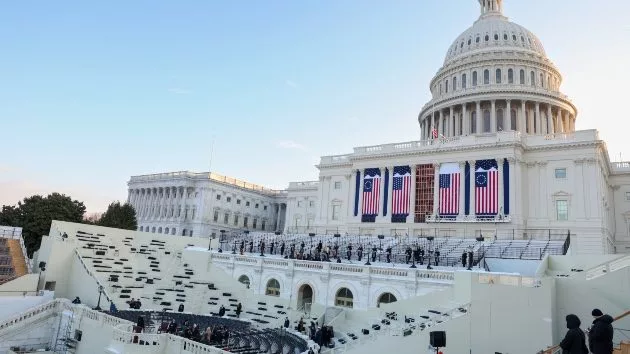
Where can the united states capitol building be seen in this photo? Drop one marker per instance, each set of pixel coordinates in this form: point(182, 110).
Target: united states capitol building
point(497, 101)
point(497, 223)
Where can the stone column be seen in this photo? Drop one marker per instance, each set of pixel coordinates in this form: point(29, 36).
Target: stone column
point(457, 123)
point(549, 120)
point(539, 129)
point(351, 192)
point(436, 189)
point(513, 187)
point(478, 120)
point(452, 130)
point(571, 123)
point(412, 195)
point(507, 117)
point(462, 190)
point(390, 190)
point(431, 125)
point(471, 207)
point(465, 121)
point(522, 122)
point(559, 121)
point(361, 175)
point(501, 187)
point(381, 188)
point(493, 116)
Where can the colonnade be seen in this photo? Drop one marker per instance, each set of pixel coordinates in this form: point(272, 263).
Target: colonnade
point(490, 116)
point(163, 202)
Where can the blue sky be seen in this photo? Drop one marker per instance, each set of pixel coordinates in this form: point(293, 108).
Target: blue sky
point(94, 92)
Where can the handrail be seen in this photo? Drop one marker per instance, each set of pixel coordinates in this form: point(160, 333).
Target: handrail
point(92, 275)
point(551, 350)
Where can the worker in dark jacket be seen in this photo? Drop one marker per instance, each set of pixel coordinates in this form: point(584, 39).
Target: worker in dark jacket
point(574, 341)
point(600, 336)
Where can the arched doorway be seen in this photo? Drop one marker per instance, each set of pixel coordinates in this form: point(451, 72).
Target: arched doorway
point(243, 279)
point(273, 288)
point(344, 298)
point(386, 298)
point(305, 297)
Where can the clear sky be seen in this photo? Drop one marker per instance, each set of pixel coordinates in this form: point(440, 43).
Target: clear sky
point(92, 92)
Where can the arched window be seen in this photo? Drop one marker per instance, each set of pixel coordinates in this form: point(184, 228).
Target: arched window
point(486, 121)
point(498, 75)
point(243, 279)
point(440, 88)
point(153, 229)
point(473, 122)
point(344, 298)
point(463, 81)
point(461, 125)
point(513, 120)
point(532, 78)
point(140, 228)
point(474, 78)
point(486, 77)
point(184, 232)
point(159, 230)
point(477, 40)
point(173, 231)
point(496, 37)
point(487, 38)
point(522, 78)
point(542, 80)
point(505, 37)
point(500, 120)
point(166, 231)
point(510, 76)
point(454, 83)
point(549, 82)
point(446, 85)
point(386, 298)
point(273, 288)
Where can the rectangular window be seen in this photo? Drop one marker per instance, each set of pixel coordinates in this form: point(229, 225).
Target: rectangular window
point(191, 233)
point(246, 204)
point(256, 206)
point(299, 203)
point(218, 196)
point(335, 212)
point(561, 173)
point(254, 223)
point(225, 218)
point(265, 208)
point(216, 216)
point(228, 199)
point(628, 196)
point(562, 210)
point(235, 220)
point(262, 226)
point(245, 222)
point(238, 201)
point(311, 203)
point(337, 185)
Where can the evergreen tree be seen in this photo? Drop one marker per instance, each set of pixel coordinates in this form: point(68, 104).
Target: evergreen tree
point(120, 216)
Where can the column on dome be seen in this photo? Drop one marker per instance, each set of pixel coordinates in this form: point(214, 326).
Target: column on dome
point(412, 194)
point(457, 122)
point(465, 121)
point(478, 120)
point(539, 129)
point(452, 130)
point(507, 116)
point(549, 120)
point(493, 116)
point(572, 123)
point(522, 120)
point(530, 121)
point(559, 120)
point(472, 211)
point(462, 190)
point(436, 189)
point(431, 124)
point(422, 129)
point(501, 186)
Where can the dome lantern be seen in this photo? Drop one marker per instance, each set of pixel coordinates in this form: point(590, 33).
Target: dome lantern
point(491, 7)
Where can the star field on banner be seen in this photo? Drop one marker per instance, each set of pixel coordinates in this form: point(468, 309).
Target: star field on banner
point(486, 187)
point(449, 189)
point(400, 193)
point(371, 194)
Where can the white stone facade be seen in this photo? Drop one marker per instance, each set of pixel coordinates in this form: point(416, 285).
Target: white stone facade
point(203, 204)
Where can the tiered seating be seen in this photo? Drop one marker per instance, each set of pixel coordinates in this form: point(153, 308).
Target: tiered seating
point(6, 264)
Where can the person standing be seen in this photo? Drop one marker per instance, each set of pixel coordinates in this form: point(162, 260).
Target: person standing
point(574, 341)
point(464, 256)
point(600, 335)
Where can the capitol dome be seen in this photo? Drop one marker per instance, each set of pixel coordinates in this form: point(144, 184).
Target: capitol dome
point(496, 77)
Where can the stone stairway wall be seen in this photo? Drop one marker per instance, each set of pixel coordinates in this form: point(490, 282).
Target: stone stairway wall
point(17, 257)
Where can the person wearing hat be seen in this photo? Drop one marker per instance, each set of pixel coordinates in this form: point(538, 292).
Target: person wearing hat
point(600, 336)
point(574, 341)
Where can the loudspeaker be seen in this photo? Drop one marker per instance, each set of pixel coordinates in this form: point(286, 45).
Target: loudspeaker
point(437, 339)
point(77, 335)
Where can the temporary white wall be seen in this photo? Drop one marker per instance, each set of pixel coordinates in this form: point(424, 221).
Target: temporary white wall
point(14, 305)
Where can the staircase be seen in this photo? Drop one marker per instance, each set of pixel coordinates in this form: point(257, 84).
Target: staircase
point(18, 259)
point(624, 348)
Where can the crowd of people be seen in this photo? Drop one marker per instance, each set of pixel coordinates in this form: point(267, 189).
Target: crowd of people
point(415, 254)
point(600, 335)
point(322, 335)
point(212, 335)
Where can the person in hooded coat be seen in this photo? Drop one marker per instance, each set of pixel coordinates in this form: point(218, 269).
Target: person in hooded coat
point(600, 336)
point(574, 341)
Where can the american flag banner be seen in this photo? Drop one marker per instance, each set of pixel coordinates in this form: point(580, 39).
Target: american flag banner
point(400, 190)
point(449, 188)
point(371, 194)
point(486, 187)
